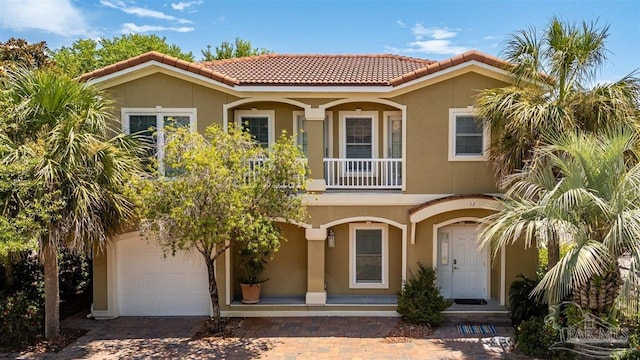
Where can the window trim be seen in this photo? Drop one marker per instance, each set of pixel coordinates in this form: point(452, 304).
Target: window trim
point(373, 115)
point(468, 111)
point(160, 113)
point(353, 227)
point(257, 113)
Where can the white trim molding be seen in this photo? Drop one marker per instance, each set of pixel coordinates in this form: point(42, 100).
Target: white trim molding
point(448, 206)
point(384, 255)
point(453, 156)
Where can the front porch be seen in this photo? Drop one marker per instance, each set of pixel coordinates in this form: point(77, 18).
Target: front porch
point(348, 305)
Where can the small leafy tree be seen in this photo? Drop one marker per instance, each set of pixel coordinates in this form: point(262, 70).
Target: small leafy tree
point(419, 301)
point(225, 191)
point(227, 50)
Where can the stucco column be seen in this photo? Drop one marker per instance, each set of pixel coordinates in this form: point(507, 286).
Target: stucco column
point(314, 123)
point(316, 294)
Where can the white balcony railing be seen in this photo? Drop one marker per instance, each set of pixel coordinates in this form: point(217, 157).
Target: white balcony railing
point(363, 173)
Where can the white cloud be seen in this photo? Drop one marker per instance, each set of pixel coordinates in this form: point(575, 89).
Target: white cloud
point(491, 37)
point(419, 31)
point(55, 16)
point(142, 12)
point(129, 28)
point(442, 47)
point(182, 5)
point(401, 23)
point(431, 40)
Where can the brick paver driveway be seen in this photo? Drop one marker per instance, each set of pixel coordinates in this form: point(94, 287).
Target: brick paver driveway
point(273, 338)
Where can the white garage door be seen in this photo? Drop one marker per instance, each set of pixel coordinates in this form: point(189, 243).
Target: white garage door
point(151, 285)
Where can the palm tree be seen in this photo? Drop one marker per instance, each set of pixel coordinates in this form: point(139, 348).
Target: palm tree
point(583, 190)
point(62, 128)
point(552, 72)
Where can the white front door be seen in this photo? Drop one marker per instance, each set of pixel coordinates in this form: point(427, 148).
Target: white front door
point(468, 265)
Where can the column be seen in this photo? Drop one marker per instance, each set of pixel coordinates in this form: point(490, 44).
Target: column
point(316, 294)
point(314, 123)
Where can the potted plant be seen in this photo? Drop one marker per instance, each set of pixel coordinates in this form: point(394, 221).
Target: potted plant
point(252, 264)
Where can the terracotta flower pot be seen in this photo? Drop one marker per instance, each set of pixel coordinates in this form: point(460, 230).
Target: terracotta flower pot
point(250, 293)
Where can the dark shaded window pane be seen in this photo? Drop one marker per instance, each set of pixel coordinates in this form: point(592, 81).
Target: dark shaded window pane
point(469, 136)
point(368, 256)
point(258, 127)
point(143, 128)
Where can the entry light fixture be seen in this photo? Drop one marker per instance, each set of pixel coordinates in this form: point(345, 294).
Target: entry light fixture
point(331, 238)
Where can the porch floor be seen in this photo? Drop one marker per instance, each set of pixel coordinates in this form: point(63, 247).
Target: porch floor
point(331, 300)
point(492, 306)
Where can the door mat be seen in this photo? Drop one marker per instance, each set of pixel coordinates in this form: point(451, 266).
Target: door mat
point(476, 329)
point(470, 301)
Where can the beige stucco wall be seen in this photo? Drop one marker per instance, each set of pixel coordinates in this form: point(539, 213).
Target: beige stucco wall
point(337, 264)
point(100, 279)
point(428, 167)
point(170, 92)
point(287, 271)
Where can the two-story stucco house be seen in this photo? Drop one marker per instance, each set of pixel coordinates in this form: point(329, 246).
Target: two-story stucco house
point(398, 176)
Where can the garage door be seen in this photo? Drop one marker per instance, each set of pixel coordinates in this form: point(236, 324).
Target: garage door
point(151, 285)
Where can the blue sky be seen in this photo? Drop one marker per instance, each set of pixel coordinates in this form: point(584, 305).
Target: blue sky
point(425, 29)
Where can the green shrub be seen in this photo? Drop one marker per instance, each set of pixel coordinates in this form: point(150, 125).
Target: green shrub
point(634, 347)
point(523, 306)
point(21, 321)
point(419, 301)
point(534, 338)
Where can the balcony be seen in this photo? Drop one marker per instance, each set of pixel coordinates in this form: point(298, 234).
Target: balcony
point(363, 174)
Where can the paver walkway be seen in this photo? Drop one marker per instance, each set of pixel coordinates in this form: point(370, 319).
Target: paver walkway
point(273, 338)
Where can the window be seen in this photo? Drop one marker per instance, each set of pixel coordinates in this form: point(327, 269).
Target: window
point(258, 123)
point(149, 124)
point(359, 134)
point(368, 252)
point(467, 140)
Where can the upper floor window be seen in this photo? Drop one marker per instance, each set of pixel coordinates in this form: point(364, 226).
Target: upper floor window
point(468, 140)
point(359, 134)
point(368, 254)
point(149, 125)
point(259, 124)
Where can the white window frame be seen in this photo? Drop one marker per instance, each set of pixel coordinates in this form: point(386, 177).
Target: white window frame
point(373, 115)
point(160, 113)
point(384, 228)
point(328, 118)
point(468, 111)
point(256, 113)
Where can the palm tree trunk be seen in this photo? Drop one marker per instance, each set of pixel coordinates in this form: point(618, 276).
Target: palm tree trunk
point(553, 252)
point(213, 293)
point(51, 291)
point(599, 294)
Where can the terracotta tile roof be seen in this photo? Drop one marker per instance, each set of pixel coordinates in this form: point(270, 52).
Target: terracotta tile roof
point(317, 69)
point(308, 70)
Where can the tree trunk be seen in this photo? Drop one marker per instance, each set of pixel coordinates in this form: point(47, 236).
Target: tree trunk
point(213, 293)
point(599, 293)
point(9, 281)
point(553, 252)
point(51, 291)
